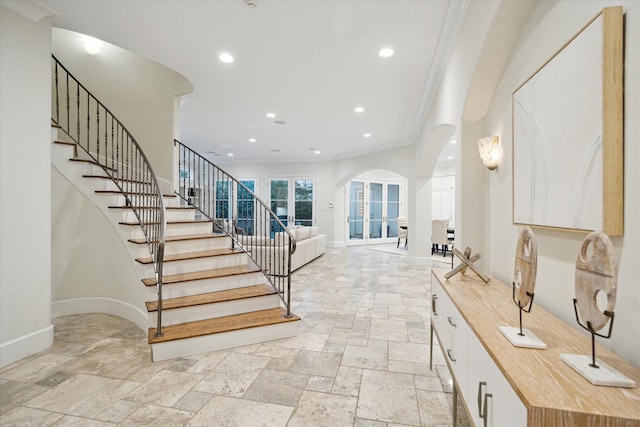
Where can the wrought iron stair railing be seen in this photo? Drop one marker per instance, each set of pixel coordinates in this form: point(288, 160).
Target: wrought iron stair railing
point(236, 211)
point(109, 144)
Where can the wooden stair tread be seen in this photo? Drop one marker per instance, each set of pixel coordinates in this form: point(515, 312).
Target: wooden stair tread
point(64, 142)
point(193, 255)
point(180, 221)
point(141, 241)
point(128, 192)
point(213, 297)
point(222, 324)
point(203, 274)
point(155, 207)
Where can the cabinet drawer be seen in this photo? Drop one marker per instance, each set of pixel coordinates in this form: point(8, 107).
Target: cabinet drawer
point(451, 329)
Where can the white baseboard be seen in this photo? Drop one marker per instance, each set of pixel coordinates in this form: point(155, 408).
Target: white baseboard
point(26, 345)
point(101, 305)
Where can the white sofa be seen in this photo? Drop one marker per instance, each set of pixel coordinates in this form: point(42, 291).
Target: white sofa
point(310, 244)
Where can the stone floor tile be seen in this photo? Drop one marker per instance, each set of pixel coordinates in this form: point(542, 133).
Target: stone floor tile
point(232, 412)
point(208, 363)
point(234, 375)
point(318, 383)
point(22, 416)
point(433, 407)
point(72, 421)
point(193, 401)
point(388, 396)
point(119, 411)
point(83, 395)
point(165, 388)
point(365, 357)
point(321, 409)
point(409, 352)
point(153, 416)
point(391, 330)
point(304, 341)
point(281, 388)
point(316, 363)
point(348, 336)
point(13, 394)
point(347, 381)
point(37, 369)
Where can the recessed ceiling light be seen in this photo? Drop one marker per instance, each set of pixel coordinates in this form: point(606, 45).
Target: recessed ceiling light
point(230, 154)
point(453, 142)
point(367, 135)
point(279, 122)
point(226, 57)
point(385, 52)
point(316, 152)
point(271, 115)
point(252, 140)
point(92, 46)
point(359, 109)
point(450, 158)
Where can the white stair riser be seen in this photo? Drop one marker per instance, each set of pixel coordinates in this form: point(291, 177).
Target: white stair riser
point(198, 264)
point(119, 199)
point(184, 246)
point(127, 215)
point(174, 229)
point(210, 311)
point(197, 345)
point(203, 286)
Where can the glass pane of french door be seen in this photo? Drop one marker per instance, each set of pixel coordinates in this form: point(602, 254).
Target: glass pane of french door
point(303, 212)
point(356, 210)
point(393, 209)
point(375, 210)
point(279, 202)
point(246, 207)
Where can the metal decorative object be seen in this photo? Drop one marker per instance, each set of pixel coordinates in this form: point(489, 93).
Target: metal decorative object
point(524, 272)
point(467, 260)
point(596, 273)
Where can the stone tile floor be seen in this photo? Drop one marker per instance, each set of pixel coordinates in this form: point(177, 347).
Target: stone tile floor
point(361, 359)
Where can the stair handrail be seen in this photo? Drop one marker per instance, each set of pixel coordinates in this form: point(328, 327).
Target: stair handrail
point(254, 227)
point(109, 144)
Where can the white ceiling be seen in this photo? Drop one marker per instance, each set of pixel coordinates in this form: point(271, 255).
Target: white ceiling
point(309, 62)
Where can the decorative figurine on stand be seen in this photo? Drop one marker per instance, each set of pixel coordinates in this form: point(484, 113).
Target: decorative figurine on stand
point(596, 272)
point(526, 265)
point(466, 261)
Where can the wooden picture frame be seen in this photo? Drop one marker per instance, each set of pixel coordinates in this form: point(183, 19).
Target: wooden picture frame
point(568, 134)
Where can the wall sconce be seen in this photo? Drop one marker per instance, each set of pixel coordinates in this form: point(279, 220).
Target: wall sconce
point(489, 149)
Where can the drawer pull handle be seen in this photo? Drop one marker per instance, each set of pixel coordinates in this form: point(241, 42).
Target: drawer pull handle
point(434, 309)
point(485, 416)
point(480, 385)
point(449, 353)
point(450, 320)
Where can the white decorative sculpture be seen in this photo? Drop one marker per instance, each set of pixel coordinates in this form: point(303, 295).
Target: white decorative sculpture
point(596, 272)
point(524, 272)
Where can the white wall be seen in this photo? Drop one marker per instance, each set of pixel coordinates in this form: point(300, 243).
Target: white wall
point(139, 92)
point(549, 26)
point(25, 187)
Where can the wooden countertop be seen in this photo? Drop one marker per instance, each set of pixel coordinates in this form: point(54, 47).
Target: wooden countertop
point(553, 393)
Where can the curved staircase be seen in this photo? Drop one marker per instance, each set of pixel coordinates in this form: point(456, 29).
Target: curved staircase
point(213, 295)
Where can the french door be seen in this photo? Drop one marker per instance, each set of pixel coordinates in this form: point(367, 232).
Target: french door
point(236, 203)
point(374, 207)
point(292, 200)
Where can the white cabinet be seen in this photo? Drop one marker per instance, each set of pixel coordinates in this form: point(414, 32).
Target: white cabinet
point(489, 397)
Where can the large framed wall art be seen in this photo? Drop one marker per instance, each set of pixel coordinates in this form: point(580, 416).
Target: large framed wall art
point(568, 134)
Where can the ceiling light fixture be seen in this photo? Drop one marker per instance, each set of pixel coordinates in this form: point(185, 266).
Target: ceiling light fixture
point(316, 152)
point(271, 115)
point(92, 46)
point(226, 57)
point(359, 110)
point(367, 135)
point(252, 140)
point(230, 154)
point(450, 158)
point(385, 52)
point(453, 142)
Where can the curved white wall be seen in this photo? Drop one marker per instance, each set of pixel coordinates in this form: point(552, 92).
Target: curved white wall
point(138, 91)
